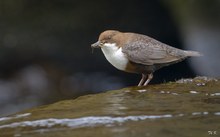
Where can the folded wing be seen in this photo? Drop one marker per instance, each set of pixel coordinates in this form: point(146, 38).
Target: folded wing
point(150, 52)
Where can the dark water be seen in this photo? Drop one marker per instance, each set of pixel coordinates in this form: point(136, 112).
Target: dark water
point(189, 108)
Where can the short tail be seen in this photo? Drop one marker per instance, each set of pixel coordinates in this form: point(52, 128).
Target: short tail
point(193, 53)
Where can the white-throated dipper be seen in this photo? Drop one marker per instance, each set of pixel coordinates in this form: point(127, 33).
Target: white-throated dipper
point(137, 53)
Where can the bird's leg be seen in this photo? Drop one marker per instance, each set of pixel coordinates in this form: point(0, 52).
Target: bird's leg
point(150, 76)
point(142, 80)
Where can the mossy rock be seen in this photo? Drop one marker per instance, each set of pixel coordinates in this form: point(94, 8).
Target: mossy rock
point(188, 107)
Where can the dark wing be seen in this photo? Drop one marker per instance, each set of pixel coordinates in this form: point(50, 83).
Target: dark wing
point(150, 51)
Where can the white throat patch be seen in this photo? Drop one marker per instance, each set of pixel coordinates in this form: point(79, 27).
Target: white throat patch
point(115, 55)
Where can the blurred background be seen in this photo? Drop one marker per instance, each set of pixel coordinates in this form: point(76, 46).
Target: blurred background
point(45, 53)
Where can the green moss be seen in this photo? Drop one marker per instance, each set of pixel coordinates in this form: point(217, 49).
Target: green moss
point(193, 105)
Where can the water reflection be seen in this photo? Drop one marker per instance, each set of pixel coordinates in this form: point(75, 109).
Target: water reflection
point(93, 121)
point(115, 105)
point(156, 110)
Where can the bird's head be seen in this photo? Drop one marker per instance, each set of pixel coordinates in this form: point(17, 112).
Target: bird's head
point(108, 37)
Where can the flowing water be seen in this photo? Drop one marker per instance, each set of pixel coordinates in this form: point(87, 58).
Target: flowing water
point(187, 108)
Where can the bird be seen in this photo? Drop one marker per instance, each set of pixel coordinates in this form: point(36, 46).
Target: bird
point(138, 53)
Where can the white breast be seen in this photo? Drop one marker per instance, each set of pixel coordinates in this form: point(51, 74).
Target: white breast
point(115, 55)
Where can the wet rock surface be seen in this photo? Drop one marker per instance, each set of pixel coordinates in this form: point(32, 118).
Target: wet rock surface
point(188, 107)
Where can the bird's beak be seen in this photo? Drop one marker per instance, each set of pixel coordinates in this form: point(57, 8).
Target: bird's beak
point(96, 45)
